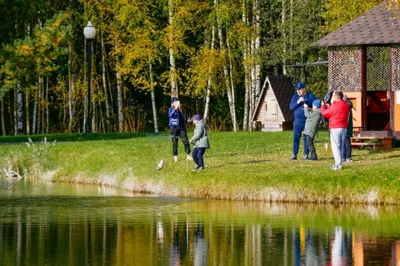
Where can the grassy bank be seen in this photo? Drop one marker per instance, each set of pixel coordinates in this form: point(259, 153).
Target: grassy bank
point(239, 166)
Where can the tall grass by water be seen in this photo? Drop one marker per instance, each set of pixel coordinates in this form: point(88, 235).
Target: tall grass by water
point(239, 166)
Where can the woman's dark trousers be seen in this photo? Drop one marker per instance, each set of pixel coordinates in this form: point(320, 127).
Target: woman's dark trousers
point(178, 132)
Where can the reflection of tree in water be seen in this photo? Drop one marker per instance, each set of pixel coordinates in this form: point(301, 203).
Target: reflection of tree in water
point(102, 236)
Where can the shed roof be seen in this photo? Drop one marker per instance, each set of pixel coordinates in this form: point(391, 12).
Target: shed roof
point(283, 89)
point(374, 27)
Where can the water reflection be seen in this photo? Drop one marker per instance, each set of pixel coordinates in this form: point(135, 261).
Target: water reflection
point(64, 228)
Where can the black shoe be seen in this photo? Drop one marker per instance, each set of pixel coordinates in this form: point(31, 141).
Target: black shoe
point(313, 158)
point(196, 168)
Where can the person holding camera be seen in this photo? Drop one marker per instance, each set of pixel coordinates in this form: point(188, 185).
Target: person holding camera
point(338, 114)
point(297, 106)
point(177, 125)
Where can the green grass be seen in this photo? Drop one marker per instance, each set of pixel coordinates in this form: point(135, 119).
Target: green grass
point(252, 166)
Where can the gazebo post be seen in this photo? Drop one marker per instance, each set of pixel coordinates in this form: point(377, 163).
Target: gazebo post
point(363, 66)
point(391, 91)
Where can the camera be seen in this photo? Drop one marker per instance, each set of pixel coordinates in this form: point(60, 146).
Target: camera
point(328, 96)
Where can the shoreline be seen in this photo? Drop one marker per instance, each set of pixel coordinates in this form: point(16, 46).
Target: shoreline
point(266, 194)
point(240, 166)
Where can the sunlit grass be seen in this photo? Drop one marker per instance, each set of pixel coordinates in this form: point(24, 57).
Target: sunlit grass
point(242, 165)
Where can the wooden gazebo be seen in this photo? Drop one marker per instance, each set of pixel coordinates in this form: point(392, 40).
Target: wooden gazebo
point(364, 62)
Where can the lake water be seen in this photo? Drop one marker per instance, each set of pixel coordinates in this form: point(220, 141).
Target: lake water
point(58, 224)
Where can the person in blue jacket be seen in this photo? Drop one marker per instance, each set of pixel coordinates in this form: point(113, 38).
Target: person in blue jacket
point(297, 106)
point(177, 124)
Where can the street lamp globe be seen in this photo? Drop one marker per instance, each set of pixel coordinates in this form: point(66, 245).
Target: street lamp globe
point(89, 31)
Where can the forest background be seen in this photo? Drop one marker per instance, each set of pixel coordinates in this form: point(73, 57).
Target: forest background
point(213, 54)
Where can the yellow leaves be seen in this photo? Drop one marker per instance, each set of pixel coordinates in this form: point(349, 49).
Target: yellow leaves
point(340, 12)
point(394, 7)
point(25, 50)
point(205, 66)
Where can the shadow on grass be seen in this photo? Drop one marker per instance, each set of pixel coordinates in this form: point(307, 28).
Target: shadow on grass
point(252, 162)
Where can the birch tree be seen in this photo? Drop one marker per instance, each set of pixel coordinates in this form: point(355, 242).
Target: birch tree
point(229, 91)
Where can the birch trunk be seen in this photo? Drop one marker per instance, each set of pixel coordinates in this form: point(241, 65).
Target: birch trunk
point(208, 91)
point(284, 36)
point(253, 84)
point(250, 81)
point(39, 103)
point(42, 106)
point(27, 116)
point(111, 94)
point(70, 91)
point(226, 74)
point(232, 87)
point(103, 63)
point(46, 101)
point(35, 108)
point(246, 73)
point(257, 47)
point(94, 116)
point(20, 109)
point(119, 98)
point(291, 26)
point(65, 109)
point(3, 118)
point(172, 67)
point(153, 98)
point(15, 117)
point(255, 66)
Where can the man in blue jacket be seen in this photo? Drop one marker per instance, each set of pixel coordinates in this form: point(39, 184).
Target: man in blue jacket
point(297, 106)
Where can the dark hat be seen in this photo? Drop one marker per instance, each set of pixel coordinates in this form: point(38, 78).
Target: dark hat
point(300, 86)
point(196, 117)
point(317, 103)
point(174, 99)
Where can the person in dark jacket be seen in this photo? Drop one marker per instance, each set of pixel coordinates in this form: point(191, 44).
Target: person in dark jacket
point(200, 141)
point(297, 106)
point(177, 124)
point(349, 133)
point(314, 118)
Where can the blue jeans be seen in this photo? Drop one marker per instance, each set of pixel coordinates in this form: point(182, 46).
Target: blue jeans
point(198, 156)
point(297, 130)
point(178, 132)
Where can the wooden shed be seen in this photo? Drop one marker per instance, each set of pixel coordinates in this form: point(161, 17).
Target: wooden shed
point(364, 62)
point(272, 108)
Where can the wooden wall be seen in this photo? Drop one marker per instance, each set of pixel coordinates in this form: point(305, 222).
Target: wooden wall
point(396, 114)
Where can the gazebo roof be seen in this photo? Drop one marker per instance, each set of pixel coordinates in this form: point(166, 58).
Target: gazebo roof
point(376, 26)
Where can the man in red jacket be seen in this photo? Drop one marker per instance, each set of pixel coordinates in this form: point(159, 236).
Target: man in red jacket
point(338, 115)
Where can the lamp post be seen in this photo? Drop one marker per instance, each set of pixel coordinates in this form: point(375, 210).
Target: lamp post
point(90, 33)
